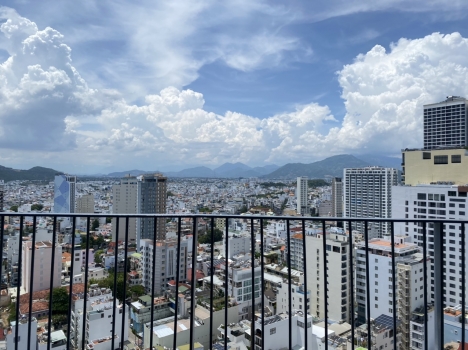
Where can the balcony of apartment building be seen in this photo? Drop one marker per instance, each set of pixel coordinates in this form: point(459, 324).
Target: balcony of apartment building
point(198, 312)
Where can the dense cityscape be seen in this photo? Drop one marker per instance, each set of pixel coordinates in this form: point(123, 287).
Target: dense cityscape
point(261, 256)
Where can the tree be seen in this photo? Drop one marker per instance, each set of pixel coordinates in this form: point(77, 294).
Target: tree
point(95, 225)
point(98, 256)
point(108, 220)
point(137, 291)
point(37, 207)
point(14, 208)
point(60, 301)
point(206, 238)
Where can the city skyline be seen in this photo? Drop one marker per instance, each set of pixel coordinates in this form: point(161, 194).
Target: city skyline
point(85, 99)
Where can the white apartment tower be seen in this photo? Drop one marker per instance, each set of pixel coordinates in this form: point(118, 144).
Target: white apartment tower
point(338, 280)
point(367, 194)
point(380, 275)
point(301, 195)
point(64, 194)
point(125, 202)
point(85, 204)
point(445, 123)
point(42, 265)
point(165, 264)
point(337, 197)
point(435, 202)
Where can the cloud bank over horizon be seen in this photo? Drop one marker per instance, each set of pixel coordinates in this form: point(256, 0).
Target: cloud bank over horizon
point(49, 114)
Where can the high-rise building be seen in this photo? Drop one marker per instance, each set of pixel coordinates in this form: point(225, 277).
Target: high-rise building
point(85, 204)
point(301, 196)
point(435, 202)
point(380, 275)
point(145, 194)
point(165, 253)
point(151, 199)
point(445, 123)
point(64, 194)
point(124, 197)
point(2, 190)
point(367, 194)
point(337, 197)
point(338, 281)
point(42, 266)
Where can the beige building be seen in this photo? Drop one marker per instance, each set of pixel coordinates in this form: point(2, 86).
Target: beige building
point(125, 202)
point(421, 166)
point(85, 204)
point(42, 266)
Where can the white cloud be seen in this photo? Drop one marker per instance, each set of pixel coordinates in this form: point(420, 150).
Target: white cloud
point(47, 109)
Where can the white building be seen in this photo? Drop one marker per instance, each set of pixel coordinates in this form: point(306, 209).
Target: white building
point(240, 282)
point(99, 317)
point(22, 334)
point(165, 264)
point(367, 194)
point(42, 266)
point(301, 196)
point(276, 330)
point(298, 296)
point(339, 281)
point(337, 197)
point(380, 274)
point(85, 204)
point(417, 328)
point(435, 202)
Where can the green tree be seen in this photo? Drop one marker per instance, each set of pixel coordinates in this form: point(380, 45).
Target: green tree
point(95, 225)
point(108, 220)
point(98, 256)
point(60, 301)
point(136, 291)
point(206, 238)
point(243, 209)
point(14, 208)
point(37, 207)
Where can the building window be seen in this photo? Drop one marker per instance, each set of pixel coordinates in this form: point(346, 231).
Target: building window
point(426, 155)
point(440, 159)
point(273, 330)
point(456, 158)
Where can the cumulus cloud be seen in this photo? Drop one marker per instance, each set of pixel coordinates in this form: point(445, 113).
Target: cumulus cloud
point(47, 107)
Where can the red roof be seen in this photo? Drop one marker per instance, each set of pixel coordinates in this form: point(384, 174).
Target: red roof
point(199, 275)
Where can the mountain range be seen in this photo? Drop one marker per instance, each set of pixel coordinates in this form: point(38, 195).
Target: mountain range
point(332, 166)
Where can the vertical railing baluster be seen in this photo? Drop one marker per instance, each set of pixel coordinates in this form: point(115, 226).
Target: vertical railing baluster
point(306, 291)
point(426, 346)
point(368, 313)
point(211, 277)
point(193, 287)
point(155, 229)
point(392, 240)
point(18, 284)
point(262, 251)
point(351, 284)
point(226, 288)
point(176, 296)
point(439, 283)
point(70, 290)
point(252, 250)
point(463, 288)
point(49, 322)
point(124, 297)
point(83, 340)
point(325, 280)
point(288, 235)
point(31, 282)
point(114, 299)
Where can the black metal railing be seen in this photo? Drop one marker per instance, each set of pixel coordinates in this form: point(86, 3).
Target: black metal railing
point(76, 329)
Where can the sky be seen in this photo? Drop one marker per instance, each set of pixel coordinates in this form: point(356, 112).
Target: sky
point(98, 86)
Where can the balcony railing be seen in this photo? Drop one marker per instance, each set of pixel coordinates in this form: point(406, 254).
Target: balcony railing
point(185, 294)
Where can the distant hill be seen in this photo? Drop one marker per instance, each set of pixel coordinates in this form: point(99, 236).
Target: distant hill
point(201, 171)
point(130, 172)
point(332, 166)
point(36, 173)
point(227, 170)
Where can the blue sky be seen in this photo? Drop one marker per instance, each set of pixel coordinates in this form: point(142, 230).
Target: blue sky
point(110, 85)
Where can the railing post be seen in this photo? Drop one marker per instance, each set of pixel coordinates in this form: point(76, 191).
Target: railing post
point(438, 285)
